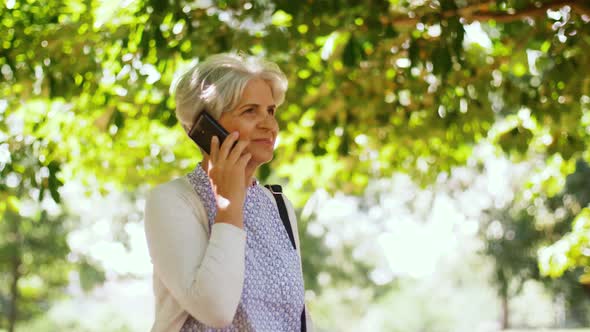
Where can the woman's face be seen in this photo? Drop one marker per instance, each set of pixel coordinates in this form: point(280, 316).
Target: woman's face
point(254, 119)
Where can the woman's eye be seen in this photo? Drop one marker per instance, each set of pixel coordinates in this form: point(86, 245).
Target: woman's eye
point(249, 110)
point(271, 111)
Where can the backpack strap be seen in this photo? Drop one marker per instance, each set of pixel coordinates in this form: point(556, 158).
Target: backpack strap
point(277, 192)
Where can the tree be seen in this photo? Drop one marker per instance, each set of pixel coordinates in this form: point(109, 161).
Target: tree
point(541, 236)
point(33, 245)
point(565, 254)
point(511, 241)
point(571, 209)
point(371, 93)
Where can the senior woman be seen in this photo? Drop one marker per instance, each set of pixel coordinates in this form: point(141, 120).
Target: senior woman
point(222, 257)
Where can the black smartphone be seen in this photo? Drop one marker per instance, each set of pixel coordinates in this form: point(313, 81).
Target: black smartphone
point(204, 129)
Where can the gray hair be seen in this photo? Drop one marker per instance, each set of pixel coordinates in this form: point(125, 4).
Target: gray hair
point(217, 84)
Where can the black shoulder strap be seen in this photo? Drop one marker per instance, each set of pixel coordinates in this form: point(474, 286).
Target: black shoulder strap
point(277, 192)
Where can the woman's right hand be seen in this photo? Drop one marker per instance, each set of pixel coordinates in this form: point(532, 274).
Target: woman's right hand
point(226, 169)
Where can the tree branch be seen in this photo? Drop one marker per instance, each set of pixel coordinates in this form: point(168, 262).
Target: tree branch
point(482, 12)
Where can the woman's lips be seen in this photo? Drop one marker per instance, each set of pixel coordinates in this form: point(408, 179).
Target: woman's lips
point(265, 141)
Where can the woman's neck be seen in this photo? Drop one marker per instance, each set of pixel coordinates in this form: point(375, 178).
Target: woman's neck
point(249, 174)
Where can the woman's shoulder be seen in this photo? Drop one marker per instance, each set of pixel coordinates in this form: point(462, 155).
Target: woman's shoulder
point(174, 196)
point(176, 185)
point(178, 188)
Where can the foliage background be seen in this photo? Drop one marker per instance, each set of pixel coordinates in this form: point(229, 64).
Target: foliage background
point(477, 110)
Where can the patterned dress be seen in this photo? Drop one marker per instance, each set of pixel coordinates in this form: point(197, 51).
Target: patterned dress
point(272, 296)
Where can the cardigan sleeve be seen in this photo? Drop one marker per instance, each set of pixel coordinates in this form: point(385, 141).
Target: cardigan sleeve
point(204, 275)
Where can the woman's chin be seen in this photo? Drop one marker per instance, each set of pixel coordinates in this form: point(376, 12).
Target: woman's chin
point(260, 159)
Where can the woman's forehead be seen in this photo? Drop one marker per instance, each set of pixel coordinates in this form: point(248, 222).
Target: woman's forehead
point(257, 92)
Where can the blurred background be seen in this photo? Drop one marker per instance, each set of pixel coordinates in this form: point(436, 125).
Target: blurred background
point(436, 152)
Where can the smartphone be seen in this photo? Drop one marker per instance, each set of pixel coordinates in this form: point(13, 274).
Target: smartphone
point(204, 129)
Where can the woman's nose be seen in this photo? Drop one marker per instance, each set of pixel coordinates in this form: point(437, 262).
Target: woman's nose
point(269, 122)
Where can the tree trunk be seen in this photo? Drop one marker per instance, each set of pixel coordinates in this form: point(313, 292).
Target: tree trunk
point(505, 313)
point(13, 314)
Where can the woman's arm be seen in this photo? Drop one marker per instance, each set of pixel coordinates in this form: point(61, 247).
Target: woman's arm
point(204, 276)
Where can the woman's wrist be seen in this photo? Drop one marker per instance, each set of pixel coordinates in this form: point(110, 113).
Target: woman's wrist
point(230, 217)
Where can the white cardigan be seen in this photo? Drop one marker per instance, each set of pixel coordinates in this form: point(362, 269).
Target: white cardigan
point(195, 274)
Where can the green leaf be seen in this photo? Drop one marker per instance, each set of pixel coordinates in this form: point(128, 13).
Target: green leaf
point(90, 276)
point(53, 182)
point(281, 19)
point(351, 52)
point(515, 140)
point(519, 69)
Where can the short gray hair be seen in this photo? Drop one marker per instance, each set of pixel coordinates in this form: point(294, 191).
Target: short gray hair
point(217, 84)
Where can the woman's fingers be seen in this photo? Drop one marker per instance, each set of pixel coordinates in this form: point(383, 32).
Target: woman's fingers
point(228, 158)
point(243, 161)
point(214, 149)
point(227, 145)
point(237, 151)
